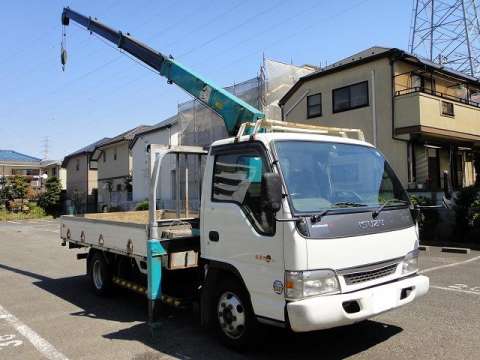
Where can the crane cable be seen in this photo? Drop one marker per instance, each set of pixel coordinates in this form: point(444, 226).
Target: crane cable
point(63, 48)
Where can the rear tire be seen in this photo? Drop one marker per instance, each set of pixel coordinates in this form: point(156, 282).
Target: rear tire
point(100, 274)
point(234, 320)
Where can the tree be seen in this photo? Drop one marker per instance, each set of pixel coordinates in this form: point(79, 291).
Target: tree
point(6, 192)
point(19, 187)
point(50, 199)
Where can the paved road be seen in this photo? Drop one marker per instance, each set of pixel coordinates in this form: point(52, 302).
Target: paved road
point(47, 310)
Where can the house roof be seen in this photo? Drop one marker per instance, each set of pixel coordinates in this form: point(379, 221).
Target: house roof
point(125, 136)
point(128, 136)
point(84, 150)
point(16, 157)
point(164, 124)
point(46, 163)
point(374, 53)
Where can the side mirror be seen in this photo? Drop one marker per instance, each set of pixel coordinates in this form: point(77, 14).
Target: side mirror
point(272, 191)
point(446, 186)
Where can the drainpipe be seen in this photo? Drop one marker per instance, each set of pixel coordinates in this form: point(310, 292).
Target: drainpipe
point(374, 110)
point(392, 75)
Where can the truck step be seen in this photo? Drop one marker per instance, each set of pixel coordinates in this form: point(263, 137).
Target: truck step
point(129, 285)
point(166, 299)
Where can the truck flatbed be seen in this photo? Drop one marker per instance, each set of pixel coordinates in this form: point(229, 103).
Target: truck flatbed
point(126, 233)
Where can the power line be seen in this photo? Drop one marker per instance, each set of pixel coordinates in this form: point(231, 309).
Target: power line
point(271, 44)
point(117, 58)
point(246, 21)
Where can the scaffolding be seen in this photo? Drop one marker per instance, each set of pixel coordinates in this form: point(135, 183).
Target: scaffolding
point(200, 126)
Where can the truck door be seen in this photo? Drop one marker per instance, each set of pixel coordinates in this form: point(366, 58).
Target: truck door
point(238, 230)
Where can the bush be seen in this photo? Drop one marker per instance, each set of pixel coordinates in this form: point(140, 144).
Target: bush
point(50, 199)
point(428, 219)
point(142, 206)
point(475, 214)
point(19, 187)
point(466, 208)
point(36, 211)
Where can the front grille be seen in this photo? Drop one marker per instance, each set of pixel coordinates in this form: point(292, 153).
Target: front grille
point(359, 277)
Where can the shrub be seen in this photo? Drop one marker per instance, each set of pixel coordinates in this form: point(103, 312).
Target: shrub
point(428, 218)
point(19, 187)
point(50, 199)
point(36, 211)
point(143, 205)
point(466, 203)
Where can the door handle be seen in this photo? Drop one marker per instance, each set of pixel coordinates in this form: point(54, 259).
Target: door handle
point(213, 236)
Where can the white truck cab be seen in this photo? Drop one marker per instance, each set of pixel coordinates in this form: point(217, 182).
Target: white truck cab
point(342, 247)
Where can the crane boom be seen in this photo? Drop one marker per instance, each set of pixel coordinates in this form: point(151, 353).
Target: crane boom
point(233, 110)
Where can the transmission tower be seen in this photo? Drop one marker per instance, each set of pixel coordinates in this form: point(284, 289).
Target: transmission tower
point(447, 32)
point(45, 147)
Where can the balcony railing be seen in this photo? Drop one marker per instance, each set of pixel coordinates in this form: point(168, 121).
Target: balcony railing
point(436, 93)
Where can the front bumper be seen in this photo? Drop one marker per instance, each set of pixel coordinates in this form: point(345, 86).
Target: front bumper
point(323, 312)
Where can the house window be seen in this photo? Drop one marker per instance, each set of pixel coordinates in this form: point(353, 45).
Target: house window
point(77, 165)
point(115, 154)
point(314, 105)
point(104, 155)
point(54, 171)
point(350, 97)
point(119, 187)
point(447, 108)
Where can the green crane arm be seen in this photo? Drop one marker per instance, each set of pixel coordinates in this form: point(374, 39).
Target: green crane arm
point(233, 110)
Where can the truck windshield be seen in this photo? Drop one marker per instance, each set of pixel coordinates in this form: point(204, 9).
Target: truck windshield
point(321, 176)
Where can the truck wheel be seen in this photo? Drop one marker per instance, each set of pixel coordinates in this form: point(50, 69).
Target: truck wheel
point(100, 274)
point(235, 322)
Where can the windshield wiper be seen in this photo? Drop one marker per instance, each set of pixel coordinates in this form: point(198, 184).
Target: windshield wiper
point(377, 211)
point(316, 218)
point(348, 204)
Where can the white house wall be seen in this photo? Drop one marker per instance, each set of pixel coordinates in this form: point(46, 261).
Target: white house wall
point(140, 172)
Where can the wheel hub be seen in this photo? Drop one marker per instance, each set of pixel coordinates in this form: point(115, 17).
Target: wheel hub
point(231, 315)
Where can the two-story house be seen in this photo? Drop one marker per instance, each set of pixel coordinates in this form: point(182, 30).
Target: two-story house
point(82, 178)
point(423, 116)
point(114, 171)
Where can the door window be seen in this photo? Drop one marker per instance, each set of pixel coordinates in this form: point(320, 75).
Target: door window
point(237, 178)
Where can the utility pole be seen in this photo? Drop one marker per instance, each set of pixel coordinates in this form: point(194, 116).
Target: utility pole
point(447, 32)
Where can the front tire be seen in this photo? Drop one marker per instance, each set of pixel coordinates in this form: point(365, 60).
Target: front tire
point(100, 274)
point(235, 322)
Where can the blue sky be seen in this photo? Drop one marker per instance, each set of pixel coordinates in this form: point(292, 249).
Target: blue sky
point(103, 92)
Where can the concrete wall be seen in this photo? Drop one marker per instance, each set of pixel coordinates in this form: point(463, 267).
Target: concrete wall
point(380, 92)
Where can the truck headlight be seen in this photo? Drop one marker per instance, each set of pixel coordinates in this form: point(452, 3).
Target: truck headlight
point(301, 284)
point(410, 263)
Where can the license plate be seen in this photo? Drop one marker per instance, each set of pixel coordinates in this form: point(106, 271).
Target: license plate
point(384, 299)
